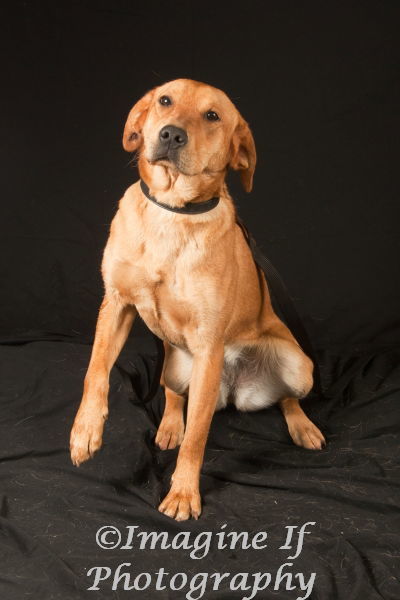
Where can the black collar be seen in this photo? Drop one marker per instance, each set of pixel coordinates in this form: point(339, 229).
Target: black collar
point(191, 208)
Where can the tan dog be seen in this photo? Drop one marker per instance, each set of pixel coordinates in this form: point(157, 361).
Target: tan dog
point(193, 280)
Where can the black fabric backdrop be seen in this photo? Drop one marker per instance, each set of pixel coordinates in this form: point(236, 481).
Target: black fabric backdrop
point(319, 84)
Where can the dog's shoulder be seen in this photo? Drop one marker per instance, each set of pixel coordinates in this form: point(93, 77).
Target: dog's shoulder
point(130, 203)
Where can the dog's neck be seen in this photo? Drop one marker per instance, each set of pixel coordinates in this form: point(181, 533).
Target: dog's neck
point(190, 208)
point(177, 190)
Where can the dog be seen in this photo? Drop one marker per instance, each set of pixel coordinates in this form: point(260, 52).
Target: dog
point(193, 280)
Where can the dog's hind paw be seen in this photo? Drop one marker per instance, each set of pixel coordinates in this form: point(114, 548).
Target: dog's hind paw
point(170, 432)
point(304, 433)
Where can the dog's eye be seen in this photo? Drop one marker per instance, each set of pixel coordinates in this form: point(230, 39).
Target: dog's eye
point(211, 116)
point(165, 100)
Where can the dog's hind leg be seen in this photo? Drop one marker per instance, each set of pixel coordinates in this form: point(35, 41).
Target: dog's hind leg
point(172, 428)
point(278, 370)
point(176, 373)
point(302, 430)
point(296, 371)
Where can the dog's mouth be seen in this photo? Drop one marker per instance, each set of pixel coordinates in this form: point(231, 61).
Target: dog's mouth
point(171, 160)
point(162, 155)
point(167, 163)
point(159, 159)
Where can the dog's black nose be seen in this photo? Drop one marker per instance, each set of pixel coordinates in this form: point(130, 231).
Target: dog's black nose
point(173, 137)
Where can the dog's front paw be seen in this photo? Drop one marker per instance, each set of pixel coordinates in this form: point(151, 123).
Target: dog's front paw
point(86, 436)
point(181, 503)
point(170, 432)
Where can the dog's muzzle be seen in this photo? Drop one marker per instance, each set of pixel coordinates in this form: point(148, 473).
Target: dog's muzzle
point(170, 140)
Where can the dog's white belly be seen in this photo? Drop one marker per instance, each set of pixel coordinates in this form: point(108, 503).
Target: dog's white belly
point(246, 378)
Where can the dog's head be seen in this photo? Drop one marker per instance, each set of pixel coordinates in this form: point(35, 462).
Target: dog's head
point(190, 128)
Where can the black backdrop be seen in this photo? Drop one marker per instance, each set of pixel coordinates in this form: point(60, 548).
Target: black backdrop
point(319, 83)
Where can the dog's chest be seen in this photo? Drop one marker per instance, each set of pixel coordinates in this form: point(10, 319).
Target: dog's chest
point(163, 284)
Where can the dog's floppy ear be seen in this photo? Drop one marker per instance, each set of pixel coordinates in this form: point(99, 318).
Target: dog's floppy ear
point(133, 137)
point(243, 154)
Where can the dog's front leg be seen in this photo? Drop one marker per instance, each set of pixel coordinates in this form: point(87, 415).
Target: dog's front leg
point(113, 325)
point(183, 499)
